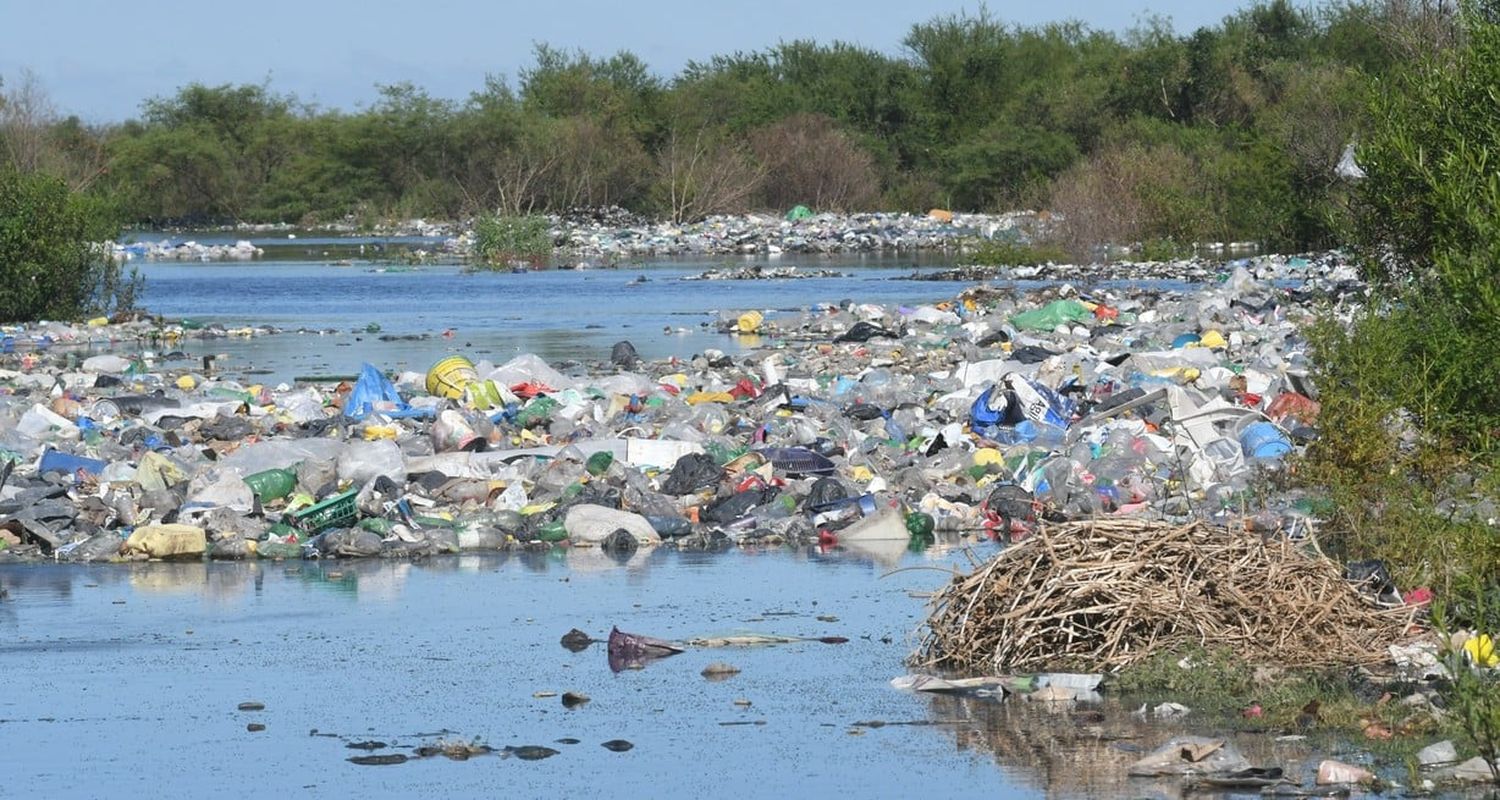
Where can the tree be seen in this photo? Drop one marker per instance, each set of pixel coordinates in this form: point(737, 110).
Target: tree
point(50, 266)
point(809, 160)
point(701, 172)
point(33, 138)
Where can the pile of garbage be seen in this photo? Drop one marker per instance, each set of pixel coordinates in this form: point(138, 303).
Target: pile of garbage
point(1103, 594)
point(1330, 269)
point(168, 250)
point(621, 235)
point(760, 272)
point(856, 426)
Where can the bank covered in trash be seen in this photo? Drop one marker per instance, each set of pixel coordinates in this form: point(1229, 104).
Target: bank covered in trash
point(855, 425)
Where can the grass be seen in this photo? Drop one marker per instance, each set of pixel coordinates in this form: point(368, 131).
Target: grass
point(1334, 704)
point(500, 241)
point(1004, 253)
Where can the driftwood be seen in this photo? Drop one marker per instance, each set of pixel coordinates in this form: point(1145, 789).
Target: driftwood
point(1102, 594)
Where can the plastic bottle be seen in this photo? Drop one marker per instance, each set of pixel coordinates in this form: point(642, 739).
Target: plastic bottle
point(554, 531)
point(272, 484)
point(599, 463)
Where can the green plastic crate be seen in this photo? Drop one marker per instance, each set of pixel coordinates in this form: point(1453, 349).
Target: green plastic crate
point(338, 511)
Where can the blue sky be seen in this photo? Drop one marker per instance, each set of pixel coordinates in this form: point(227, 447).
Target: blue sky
point(100, 58)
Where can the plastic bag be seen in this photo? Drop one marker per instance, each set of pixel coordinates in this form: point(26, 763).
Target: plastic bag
point(1052, 315)
point(691, 472)
point(372, 393)
point(362, 462)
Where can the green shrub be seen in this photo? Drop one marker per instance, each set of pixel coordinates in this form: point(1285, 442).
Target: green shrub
point(1004, 253)
point(1386, 461)
point(1164, 250)
point(1427, 222)
point(50, 264)
point(502, 240)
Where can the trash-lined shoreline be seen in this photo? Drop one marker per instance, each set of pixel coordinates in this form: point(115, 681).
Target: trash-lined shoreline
point(857, 423)
point(608, 235)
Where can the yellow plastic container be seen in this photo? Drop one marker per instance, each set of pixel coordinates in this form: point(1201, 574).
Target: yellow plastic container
point(749, 322)
point(450, 376)
point(1481, 651)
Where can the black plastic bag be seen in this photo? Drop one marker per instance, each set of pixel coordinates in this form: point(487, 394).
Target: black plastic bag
point(737, 505)
point(691, 472)
point(623, 355)
point(825, 493)
point(864, 332)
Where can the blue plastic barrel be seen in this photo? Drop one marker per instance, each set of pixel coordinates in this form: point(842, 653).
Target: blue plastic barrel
point(1264, 440)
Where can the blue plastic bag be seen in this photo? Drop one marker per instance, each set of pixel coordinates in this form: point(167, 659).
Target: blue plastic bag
point(371, 390)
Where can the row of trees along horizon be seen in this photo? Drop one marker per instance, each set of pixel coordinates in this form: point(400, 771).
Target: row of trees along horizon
point(1230, 132)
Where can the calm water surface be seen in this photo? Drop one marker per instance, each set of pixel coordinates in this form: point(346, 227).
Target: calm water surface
point(557, 314)
point(124, 680)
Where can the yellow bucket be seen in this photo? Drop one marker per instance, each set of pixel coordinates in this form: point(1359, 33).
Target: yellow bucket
point(448, 377)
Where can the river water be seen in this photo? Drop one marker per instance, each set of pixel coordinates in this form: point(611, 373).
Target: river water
point(557, 314)
point(125, 680)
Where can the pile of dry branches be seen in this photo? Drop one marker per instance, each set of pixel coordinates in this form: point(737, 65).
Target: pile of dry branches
point(1101, 594)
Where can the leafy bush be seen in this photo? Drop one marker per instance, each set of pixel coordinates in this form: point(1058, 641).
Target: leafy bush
point(1427, 221)
point(810, 161)
point(501, 240)
point(49, 265)
point(1395, 478)
point(1002, 253)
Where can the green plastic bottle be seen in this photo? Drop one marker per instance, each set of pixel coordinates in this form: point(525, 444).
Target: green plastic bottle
point(599, 463)
point(272, 484)
point(553, 531)
point(919, 523)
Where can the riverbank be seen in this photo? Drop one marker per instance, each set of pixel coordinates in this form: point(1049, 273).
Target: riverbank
point(609, 235)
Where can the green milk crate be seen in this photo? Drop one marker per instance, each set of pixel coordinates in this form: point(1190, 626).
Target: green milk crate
point(338, 511)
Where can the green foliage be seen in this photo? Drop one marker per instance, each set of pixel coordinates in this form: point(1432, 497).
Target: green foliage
point(1389, 465)
point(500, 241)
point(1001, 253)
point(1427, 223)
point(977, 113)
point(1163, 250)
point(50, 267)
point(1001, 165)
point(1188, 675)
point(1472, 696)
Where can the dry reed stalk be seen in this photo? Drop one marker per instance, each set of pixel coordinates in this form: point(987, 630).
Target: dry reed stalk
point(1102, 594)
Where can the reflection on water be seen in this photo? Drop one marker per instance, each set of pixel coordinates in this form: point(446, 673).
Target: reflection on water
point(1085, 751)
